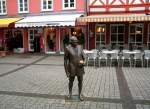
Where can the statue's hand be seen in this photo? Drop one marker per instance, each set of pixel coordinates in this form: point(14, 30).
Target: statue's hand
point(82, 62)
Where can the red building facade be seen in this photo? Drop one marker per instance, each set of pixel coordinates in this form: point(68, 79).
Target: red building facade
point(38, 26)
point(117, 23)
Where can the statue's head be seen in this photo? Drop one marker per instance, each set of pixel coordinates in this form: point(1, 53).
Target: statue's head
point(73, 40)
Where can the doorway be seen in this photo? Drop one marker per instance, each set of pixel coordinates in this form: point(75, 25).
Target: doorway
point(50, 39)
point(34, 40)
point(37, 43)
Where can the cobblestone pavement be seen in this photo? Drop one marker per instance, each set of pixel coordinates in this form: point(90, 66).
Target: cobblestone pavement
point(39, 82)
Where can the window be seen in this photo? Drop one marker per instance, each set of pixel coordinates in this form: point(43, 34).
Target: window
point(23, 6)
point(100, 36)
point(136, 34)
point(2, 7)
point(117, 35)
point(69, 4)
point(47, 5)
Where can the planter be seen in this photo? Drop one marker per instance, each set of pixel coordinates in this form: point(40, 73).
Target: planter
point(3, 53)
point(18, 50)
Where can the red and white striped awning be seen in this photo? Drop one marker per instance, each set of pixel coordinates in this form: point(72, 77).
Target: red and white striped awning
point(115, 18)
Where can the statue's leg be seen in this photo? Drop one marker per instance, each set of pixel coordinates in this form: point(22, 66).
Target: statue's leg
point(71, 80)
point(80, 79)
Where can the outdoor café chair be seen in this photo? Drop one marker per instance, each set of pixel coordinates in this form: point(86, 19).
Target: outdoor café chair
point(147, 57)
point(114, 56)
point(138, 57)
point(102, 56)
point(126, 56)
point(92, 55)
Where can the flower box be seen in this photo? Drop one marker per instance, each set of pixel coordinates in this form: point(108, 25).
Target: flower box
point(3, 53)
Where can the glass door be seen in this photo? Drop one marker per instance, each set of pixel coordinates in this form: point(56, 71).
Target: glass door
point(32, 33)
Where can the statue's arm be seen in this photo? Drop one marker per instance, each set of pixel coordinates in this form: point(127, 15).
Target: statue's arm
point(66, 61)
point(83, 56)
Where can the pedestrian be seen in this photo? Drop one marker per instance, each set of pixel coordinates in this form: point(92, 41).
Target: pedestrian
point(66, 40)
point(74, 65)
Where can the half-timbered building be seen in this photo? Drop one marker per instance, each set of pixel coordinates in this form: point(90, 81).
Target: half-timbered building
point(118, 23)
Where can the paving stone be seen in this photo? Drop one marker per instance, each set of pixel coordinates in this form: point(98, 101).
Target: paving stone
point(139, 82)
point(42, 84)
point(6, 68)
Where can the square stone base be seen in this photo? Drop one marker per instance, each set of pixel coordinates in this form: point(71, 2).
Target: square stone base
point(74, 98)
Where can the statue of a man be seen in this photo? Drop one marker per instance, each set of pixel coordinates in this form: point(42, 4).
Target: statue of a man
point(74, 65)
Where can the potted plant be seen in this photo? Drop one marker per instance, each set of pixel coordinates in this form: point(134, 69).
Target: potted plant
point(3, 52)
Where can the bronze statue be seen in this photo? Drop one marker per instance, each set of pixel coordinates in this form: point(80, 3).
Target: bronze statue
point(74, 65)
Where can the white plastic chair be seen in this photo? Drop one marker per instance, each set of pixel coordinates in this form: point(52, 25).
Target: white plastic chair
point(102, 56)
point(138, 57)
point(147, 57)
point(126, 56)
point(114, 56)
point(92, 56)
